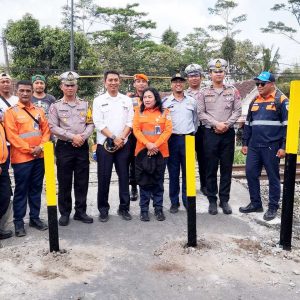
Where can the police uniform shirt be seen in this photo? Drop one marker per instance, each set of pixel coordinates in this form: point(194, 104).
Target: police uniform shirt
point(67, 119)
point(113, 113)
point(183, 114)
point(219, 105)
point(195, 94)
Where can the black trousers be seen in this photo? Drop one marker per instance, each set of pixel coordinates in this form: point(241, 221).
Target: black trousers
point(72, 160)
point(199, 146)
point(5, 190)
point(106, 160)
point(219, 149)
point(132, 142)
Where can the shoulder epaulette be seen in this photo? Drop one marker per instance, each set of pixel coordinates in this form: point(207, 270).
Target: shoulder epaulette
point(58, 100)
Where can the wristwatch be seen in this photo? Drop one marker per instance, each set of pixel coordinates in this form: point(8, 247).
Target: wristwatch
point(113, 137)
point(42, 148)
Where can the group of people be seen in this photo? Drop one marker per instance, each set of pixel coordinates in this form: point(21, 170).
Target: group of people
point(141, 135)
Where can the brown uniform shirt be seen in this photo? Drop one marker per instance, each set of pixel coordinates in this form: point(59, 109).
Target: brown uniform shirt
point(216, 105)
point(67, 119)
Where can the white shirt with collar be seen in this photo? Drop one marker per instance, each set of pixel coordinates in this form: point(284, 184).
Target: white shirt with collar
point(113, 113)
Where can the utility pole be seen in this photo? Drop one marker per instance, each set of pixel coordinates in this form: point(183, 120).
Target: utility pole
point(72, 37)
point(5, 53)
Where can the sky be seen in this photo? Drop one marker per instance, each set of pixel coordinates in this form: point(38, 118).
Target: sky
point(181, 15)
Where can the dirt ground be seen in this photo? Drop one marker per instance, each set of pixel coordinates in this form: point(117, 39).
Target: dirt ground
point(237, 257)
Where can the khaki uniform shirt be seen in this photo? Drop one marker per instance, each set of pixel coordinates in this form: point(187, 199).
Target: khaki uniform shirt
point(216, 105)
point(67, 119)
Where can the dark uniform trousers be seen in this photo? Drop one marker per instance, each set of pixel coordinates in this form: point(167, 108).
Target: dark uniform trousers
point(132, 142)
point(219, 149)
point(257, 157)
point(28, 185)
point(120, 159)
point(199, 146)
point(72, 160)
point(5, 190)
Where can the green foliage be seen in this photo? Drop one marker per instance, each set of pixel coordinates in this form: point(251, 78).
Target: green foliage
point(239, 157)
point(228, 49)
point(170, 38)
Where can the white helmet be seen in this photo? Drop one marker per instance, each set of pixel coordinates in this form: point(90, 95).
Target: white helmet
point(193, 69)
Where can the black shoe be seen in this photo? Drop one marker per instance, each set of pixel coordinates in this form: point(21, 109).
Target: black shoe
point(63, 220)
point(84, 218)
point(270, 214)
point(160, 216)
point(20, 230)
point(204, 190)
point(212, 209)
point(125, 215)
point(144, 216)
point(103, 216)
point(5, 234)
point(250, 208)
point(38, 224)
point(174, 208)
point(134, 194)
point(226, 208)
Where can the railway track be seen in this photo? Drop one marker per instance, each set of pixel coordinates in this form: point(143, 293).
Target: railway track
point(238, 172)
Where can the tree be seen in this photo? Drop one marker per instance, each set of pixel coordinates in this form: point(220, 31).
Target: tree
point(293, 7)
point(224, 9)
point(170, 38)
point(228, 49)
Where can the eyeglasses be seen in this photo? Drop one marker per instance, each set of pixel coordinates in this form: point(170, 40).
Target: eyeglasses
point(218, 72)
point(261, 83)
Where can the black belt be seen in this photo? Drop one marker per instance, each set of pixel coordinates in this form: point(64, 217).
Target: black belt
point(183, 134)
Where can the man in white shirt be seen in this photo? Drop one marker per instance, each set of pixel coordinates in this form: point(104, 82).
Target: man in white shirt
point(113, 115)
point(6, 98)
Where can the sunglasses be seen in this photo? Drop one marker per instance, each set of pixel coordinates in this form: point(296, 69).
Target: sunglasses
point(261, 83)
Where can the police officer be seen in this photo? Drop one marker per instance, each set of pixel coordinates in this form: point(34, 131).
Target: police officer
point(140, 82)
point(219, 107)
point(194, 77)
point(264, 143)
point(27, 130)
point(183, 110)
point(70, 120)
point(113, 115)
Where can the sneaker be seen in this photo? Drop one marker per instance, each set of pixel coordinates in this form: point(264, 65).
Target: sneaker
point(250, 208)
point(226, 208)
point(125, 215)
point(144, 216)
point(213, 209)
point(174, 208)
point(38, 224)
point(134, 194)
point(63, 220)
point(160, 215)
point(103, 217)
point(5, 234)
point(270, 214)
point(20, 230)
point(84, 218)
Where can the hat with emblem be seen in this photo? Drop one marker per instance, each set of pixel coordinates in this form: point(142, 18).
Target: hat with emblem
point(218, 64)
point(140, 76)
point(38, 77)
point(69, 77)
point(5, 76)
point(178, 75)
point(265, 76)
point(193, 70)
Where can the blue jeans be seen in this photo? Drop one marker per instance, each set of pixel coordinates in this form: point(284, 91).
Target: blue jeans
point(256, 159)
point(175, 162)
point(155, 191)
point(28, 185)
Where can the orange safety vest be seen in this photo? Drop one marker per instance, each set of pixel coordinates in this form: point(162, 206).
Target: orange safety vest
point(152, 126)
point(23, 132)
point(3, 146)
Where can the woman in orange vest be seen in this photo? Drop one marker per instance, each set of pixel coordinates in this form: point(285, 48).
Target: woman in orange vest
point(152, 127)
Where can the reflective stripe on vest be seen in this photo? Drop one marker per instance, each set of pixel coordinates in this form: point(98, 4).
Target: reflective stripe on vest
point(30, 134)
point(146, 132)
point(266, 122)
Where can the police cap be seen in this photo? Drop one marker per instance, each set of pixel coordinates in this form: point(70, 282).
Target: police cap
point(218, 64)
point(69, 77)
